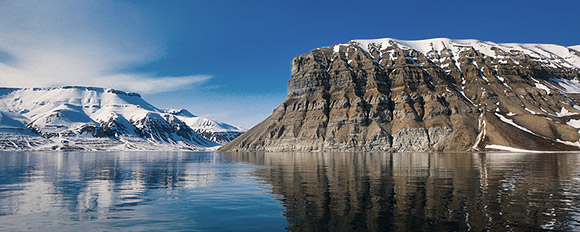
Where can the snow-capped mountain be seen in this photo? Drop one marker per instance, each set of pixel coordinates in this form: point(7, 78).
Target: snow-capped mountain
point(426, 95)
point(212, 130)
point(100, 119)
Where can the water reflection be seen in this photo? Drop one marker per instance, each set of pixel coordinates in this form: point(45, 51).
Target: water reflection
point(155, 191)
point(82, 183)
point(151, 191)
point(412, 192)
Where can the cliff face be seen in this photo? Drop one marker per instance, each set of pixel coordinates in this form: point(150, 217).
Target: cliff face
point(430, 95)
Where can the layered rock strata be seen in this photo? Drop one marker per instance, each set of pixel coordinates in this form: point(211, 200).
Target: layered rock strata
point(430, 95)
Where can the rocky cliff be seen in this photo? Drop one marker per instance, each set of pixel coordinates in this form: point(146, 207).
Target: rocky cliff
point(428, 95)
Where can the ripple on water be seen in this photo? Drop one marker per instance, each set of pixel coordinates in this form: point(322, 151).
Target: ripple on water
point(151, 191)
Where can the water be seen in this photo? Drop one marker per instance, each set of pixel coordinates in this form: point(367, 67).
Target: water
point(189, 191)
point(154, 191)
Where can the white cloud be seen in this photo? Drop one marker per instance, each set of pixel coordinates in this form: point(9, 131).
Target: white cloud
point(145, 84)
point(80, 43)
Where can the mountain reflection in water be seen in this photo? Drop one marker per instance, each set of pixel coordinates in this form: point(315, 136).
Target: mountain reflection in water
point(420, 191)
point(212, 191)
point(133, 191)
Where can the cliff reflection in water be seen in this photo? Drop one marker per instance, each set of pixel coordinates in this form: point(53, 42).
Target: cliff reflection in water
point(410, 192)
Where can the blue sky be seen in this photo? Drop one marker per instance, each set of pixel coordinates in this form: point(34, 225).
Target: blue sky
point(230, 60)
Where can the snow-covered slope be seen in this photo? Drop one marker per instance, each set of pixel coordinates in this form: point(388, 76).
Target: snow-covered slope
point(213, 130)
point(96, 119)
point(550, 55)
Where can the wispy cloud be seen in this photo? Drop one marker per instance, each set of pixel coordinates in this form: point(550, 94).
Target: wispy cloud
point(95, 43)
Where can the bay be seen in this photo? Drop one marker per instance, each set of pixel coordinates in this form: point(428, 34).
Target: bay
point(212, 191)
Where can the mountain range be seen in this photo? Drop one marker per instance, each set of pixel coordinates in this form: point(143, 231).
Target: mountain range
point(426, 95)
point(87, 118)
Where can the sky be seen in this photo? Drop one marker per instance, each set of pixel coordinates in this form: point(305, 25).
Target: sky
point(230, 60)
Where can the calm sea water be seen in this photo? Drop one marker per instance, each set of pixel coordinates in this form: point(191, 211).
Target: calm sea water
point(200, 191)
